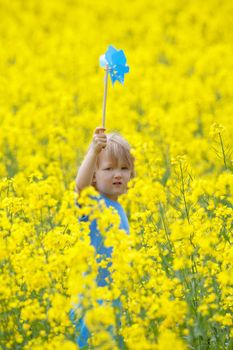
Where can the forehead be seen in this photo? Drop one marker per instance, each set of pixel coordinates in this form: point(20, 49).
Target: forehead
point(106, 157)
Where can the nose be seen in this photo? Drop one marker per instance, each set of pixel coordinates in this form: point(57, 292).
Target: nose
point(117, 174)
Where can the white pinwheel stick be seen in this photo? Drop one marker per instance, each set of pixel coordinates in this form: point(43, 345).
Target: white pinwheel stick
point(105, 95)
point(113, 61)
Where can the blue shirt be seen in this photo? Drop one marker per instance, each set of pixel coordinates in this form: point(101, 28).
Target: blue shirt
point(97, 238)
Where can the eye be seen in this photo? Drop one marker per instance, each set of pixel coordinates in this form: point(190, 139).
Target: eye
point(107, 168)
point(124, 168)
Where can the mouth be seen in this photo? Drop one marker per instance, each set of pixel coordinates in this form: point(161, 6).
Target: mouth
point(117, 183)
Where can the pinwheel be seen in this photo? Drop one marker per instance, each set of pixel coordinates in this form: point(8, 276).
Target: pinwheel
point(114, 63)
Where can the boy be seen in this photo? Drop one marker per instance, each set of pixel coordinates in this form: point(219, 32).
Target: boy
point(108, 166)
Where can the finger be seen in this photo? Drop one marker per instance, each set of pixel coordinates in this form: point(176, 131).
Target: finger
point(98, 138)
point(99, 130)
point(102, 137)
point(102, 143)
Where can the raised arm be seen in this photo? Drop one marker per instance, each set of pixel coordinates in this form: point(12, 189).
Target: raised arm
point(86, 170)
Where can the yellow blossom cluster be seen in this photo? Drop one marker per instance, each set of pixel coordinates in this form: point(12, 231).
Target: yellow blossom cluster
point(171, 277)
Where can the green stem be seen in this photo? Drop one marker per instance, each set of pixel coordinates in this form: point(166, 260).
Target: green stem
point(223, 151)
point(165, 226)
point(183, 193)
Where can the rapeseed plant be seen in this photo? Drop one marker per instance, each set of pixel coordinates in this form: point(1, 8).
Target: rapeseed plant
point(171, 277)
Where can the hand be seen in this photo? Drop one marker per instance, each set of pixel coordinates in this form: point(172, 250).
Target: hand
point(99, 139)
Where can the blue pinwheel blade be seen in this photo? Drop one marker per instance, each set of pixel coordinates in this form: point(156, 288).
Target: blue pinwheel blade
point(122, 69)
point(119, 58)
point(116, 61)
point(113, 78)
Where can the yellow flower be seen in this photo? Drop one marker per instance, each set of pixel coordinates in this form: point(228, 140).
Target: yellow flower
point(179, 205)
point(168, 341)
point(216, 129)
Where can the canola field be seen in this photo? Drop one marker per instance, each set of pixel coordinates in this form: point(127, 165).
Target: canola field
point(173, 274)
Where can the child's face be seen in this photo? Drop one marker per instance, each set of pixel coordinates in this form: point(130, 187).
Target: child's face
point(111, 178)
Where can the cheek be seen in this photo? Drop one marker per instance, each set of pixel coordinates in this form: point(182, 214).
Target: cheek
point(128, 176)
point(97, 176)
point(104, 176)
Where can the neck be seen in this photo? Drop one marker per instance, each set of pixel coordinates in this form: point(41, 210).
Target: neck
point(112, 197)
